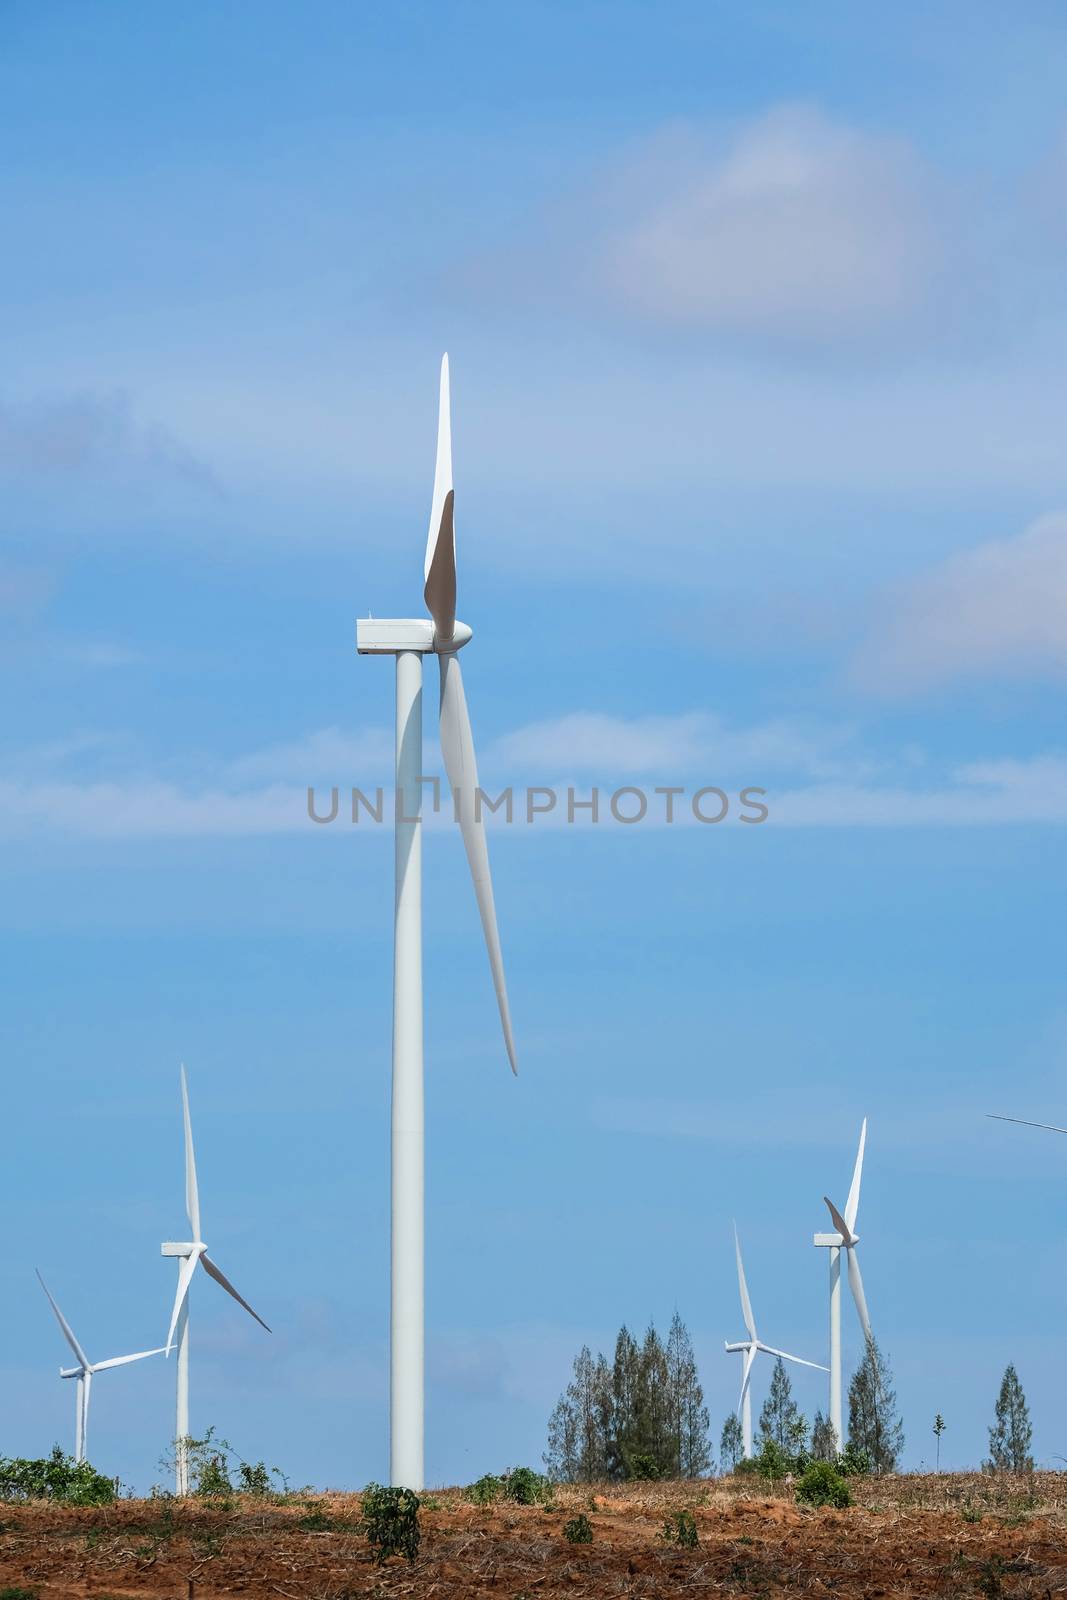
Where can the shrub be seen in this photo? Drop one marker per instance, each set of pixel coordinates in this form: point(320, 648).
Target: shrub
point(391, 1521)
point(822, 1485)
point(18, 1594)
point(772, 1462)
point(643, 1468)
point(487, 1489)
point(525, 1486)
point(854, 1462)
point(579, 1530)
point(55, 1477)
point(680, 1528)
point(254, 1479)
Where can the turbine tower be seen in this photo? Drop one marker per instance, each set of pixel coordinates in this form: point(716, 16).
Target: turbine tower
point(845, 1238)
point(189, 1253)
point(750, 1348)
point(84, 1374)
point(409, 640)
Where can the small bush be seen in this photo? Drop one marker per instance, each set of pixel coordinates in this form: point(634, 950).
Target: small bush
point(854, 1462)
point(680, 1528)
point(488, 1489)
point(822, 1485)
point(55, 1477)
point(772, 1463)
point(526, 1487)
point(254, 1478)
point(18, 1594)
point(971, 1513)
point(579, 1530)
point(391, 1521)
point(316, 1518)
point(643, 1469)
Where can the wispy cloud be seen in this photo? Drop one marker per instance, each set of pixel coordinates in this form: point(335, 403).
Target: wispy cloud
point(671, 746)
point(996, 610)
point(91, 432)
point(94, 786)
point(799, 226)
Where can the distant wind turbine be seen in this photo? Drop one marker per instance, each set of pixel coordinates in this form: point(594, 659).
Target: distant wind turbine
point(1048, 1126)
point(189, 1253)
point(845, 1238)
point(750, 1347)
point(84, 1374)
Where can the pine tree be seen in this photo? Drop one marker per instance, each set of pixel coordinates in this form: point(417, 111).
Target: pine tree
point(780, 1420)
point(823, 1439)
point(939, 1428)
point(689, 1415)
point(873, 1423)
point(642, 1416)
point(625, 1377)
point(1011, 1434)
point(579, 1426)
point(731, 1443)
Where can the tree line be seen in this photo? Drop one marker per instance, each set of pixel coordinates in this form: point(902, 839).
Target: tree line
point(642, 1415)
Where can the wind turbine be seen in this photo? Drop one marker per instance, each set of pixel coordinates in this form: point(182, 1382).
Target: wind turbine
point(845, 1238)
point(189, 1253)
point(409, 640)
point(84, 1374)
point(1048, 1126)
point(750, 1347)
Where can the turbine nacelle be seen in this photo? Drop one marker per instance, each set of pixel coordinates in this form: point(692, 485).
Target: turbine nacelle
point(388, 636)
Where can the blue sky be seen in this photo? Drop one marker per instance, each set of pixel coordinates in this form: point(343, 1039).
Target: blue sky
point(757, 326)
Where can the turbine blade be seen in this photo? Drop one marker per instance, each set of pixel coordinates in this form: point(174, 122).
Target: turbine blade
point(746, 1303)
point(1048, 1127)
point(839, 1222)
point(440, 565)
point(68, 1331)
point(192, 1196)
point(213, 1272)
point(786, 1356)
point(185, 1278)
point(852, 1204)
point(746, 1375)
point(122, 1361)
point(855, 1282)
point(457, 747)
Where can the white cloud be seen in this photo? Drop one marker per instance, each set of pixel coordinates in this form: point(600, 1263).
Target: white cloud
point(667, 746)
point(999, 609)
point(91, 787)
point(801, 227)
point(326, 755)
point(981, 794)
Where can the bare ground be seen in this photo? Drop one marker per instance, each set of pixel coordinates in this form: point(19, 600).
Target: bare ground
point(951, 1536)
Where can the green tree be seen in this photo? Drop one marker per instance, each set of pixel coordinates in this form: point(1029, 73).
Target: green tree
point(580, 1426)
point(823, 1439)
point(1011, 1433)
point(873, 1423)
point(689, 1415)
point(939, 1428)
point(731, 1443)
point(780, 1420)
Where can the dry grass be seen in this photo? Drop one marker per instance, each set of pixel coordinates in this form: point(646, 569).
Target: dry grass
point(948, 1535)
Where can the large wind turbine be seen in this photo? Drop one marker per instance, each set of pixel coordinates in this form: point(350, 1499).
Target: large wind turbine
point(84, 1374)
point(750, 1347)
point(409, 640)
point(189, 1253)
point(845, 1238)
